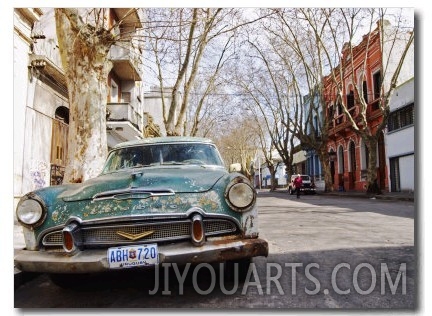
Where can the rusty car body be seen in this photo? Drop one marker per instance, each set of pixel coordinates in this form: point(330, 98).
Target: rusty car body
point(157, 200)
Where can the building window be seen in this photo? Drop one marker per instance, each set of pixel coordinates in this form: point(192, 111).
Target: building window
point(377, 84)
point(395, 175)
point(350, 100)
point(401, 118)
point(330, 112)
point(340, 158)
point(59, 144)
point(365, 91)
point(352, 157)
point(114, 91)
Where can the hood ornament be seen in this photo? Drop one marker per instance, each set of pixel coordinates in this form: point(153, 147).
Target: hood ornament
point(134, 236)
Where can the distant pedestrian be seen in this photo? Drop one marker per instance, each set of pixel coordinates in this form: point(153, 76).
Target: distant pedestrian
point(298, 182)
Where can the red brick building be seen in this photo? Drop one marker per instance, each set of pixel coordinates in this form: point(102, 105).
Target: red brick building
point(349, 156)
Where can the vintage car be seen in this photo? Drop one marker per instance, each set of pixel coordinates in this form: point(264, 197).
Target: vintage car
point(308, 187)
point(156, 200)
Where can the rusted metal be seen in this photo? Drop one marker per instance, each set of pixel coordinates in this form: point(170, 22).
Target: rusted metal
point(95, 260)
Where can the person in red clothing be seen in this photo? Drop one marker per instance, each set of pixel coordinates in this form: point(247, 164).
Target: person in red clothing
point(298, 183)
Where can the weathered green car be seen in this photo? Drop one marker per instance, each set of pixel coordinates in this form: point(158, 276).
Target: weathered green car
point(156, 200)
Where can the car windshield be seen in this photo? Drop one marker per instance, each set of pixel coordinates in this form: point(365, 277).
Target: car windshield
point(162, 154)
point(305, 178)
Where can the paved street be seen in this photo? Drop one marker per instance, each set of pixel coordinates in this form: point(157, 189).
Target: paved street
point(325, 252)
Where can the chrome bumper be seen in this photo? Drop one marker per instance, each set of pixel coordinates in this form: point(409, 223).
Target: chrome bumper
point(95, 260)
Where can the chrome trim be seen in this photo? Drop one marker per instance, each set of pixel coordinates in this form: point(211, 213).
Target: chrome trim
point(38, 199)
point(130, 192)
point(235, 181)
point(70, 229)
point(94, 235)
point(197, 218)
point(134, 218)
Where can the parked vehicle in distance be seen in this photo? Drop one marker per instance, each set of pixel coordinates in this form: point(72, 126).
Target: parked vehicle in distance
point(308, 187)
point(157, 200)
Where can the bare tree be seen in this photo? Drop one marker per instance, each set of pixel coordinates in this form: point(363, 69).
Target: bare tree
point(178, 40)
point(85, 37)
point(84, 51)
point(239, 144)
point(180, 36)
point(299, 51)
point(267, 90)
point(267, 148)
point(394, 43)
point(204, 89)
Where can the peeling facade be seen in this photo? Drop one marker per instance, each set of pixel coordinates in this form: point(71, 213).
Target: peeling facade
point(41, 109)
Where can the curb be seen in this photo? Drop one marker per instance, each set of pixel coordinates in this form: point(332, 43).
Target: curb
point(372, 197)
point(362, 195)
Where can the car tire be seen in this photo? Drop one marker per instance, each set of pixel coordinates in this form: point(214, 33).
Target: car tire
point(290, 191)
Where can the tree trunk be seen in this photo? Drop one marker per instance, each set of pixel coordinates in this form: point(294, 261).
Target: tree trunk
point(85, 60)
point(323, 156)
point(272, 171)
point(372, 185)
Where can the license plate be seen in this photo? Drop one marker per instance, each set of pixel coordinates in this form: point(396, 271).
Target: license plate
point(133, 256)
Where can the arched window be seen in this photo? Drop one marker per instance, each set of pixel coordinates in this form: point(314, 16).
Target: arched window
point(60, 128)
point(350, 98)
point(62, 114)
point(352, 157)
point(340, 157)
point(364, 155)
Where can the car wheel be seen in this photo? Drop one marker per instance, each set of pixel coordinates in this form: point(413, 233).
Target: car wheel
point(290, 191)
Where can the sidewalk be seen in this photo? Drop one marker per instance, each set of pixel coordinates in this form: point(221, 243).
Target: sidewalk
point(396, 196)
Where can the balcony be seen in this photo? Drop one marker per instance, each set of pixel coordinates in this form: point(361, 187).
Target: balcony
point(43, 65)
point(123, 122)
point(130, 17)
point(340, 124)
point(126, 63)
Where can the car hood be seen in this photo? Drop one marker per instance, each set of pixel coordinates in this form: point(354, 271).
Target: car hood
point(191, 179)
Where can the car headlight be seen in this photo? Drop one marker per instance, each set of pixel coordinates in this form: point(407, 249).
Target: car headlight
point(30, 211)
point(240, 195)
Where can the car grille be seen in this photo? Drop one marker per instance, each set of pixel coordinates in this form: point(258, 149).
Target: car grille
point(106, 235)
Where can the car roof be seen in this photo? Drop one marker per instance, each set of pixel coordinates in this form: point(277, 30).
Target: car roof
point(163, 140)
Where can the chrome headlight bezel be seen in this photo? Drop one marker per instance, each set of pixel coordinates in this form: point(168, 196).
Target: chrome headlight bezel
point(240, 195)
point(28, 204)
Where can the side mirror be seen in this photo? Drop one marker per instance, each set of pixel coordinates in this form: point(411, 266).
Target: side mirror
point(235, 167)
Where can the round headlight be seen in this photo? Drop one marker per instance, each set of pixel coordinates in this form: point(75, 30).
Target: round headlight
point(241, 195)
point(29, 211)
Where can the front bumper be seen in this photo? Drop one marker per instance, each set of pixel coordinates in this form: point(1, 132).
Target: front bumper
point(308, 190)
point(95, 260)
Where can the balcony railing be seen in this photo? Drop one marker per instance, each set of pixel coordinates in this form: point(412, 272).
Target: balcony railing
point(124, 112)
point(126, 63)
point(341, 121)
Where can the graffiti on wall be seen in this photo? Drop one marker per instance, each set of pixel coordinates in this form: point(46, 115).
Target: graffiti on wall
point(38, 174)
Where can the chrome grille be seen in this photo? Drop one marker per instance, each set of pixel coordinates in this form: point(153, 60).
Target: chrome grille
point(53, 239)
point(106, 235)
point(162, 231)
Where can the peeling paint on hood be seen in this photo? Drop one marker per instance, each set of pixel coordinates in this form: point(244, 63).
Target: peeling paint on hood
point(189, 179)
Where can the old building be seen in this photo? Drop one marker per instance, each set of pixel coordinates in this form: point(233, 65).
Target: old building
point(400, 144)
point(349, 154)
point(41, 109)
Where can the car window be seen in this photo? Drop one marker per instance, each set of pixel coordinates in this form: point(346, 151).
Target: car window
point(162, 154)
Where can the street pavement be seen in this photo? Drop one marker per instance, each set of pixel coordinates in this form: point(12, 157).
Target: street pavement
point(18, 240)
